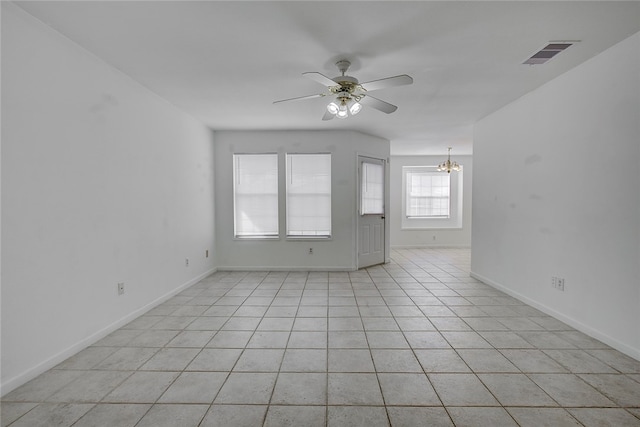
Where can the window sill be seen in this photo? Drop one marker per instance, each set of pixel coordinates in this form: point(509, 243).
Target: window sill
point(302, 238)
point(256, 238)
point(277, 238)
point(429, 228)
point(298, 238)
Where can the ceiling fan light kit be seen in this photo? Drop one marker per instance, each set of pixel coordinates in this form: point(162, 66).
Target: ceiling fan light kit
point(350, 95)
point(344, 107)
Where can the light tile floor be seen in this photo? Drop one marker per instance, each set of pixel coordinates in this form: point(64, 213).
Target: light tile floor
point(416, 342)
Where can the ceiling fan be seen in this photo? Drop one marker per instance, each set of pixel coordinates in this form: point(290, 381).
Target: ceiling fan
point(350, 95)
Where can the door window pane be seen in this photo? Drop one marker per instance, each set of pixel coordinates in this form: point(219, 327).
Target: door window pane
point(372, 189)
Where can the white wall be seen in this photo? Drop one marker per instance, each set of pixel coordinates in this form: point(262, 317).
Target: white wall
point(565, 200)
point(102, 182)
point(337, 253)
point(412, 238)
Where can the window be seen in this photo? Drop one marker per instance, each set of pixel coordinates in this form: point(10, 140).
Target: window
point(431, 199)
point(309, 195)
point(372, 189)
point(427, 194)
point(255, 195)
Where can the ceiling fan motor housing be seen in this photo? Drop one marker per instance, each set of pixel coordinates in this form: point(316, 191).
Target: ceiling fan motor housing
point(347, 84)
point(346, 80)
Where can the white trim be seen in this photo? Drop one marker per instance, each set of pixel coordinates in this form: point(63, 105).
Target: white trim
point(53, 361)
point(594, 333)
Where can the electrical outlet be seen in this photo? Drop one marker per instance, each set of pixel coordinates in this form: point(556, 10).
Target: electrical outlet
point(121, 288)
point(310, 251)
point(186, 262)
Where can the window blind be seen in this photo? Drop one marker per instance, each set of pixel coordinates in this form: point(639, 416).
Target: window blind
point(309, 195)
point(428, 194)
point(372, 189)
point(255, 195)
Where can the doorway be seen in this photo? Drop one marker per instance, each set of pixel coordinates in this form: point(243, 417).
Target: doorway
point(371, 211)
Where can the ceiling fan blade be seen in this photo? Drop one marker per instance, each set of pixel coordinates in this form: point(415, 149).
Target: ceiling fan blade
point(320, 78)
point(300, 98)
point(327, 116)
point(388, 82)
point(378, 104)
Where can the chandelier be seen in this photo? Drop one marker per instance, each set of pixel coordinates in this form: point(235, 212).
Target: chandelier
point(449, 165)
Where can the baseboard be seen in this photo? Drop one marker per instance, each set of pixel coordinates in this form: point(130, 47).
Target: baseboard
point(592, 332)
point(60, 357)
point(283, 268)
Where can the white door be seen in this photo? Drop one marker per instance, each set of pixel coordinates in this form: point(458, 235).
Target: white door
point(371, 211)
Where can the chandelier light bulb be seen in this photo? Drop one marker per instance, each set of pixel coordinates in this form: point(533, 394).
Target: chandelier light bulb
point(355, 108)
point(332, 108)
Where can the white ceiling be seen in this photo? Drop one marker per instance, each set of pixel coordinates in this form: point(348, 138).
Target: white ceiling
point(226, 62)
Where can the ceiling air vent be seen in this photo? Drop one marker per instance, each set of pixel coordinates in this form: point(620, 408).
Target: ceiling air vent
point(548, 52)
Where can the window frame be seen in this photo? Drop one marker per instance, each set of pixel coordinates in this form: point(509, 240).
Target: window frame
point(236, 236)
point(289, 236)
point(407, 198)
point(379, 201)
point(453, 221)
